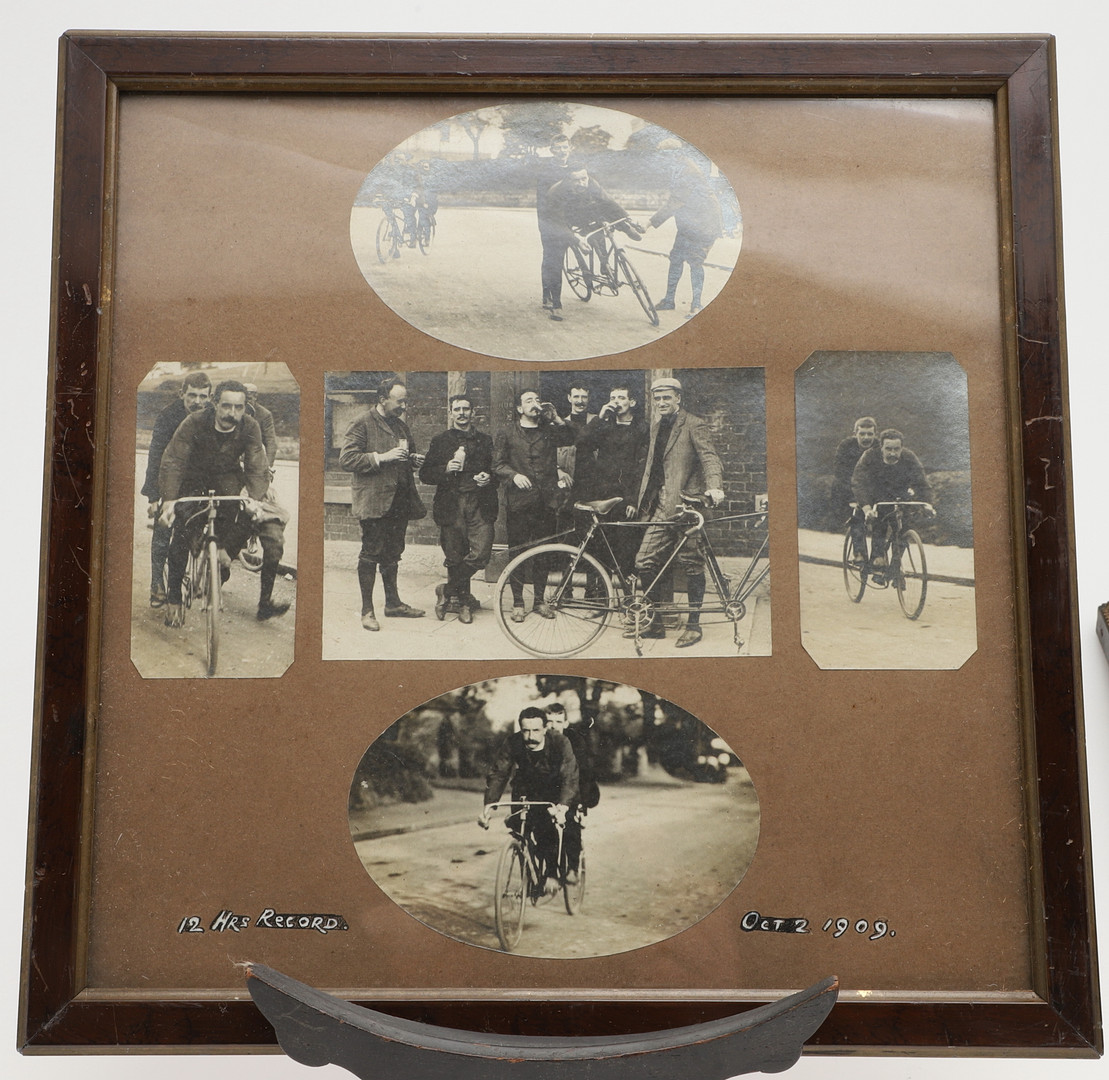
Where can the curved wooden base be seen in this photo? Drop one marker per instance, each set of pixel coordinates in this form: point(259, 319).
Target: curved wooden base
point(315, 1028)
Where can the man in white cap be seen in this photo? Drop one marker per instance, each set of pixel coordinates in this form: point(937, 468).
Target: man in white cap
point(680, 459)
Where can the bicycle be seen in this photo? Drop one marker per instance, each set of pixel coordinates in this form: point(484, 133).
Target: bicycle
point(907, 567)
point(394, 231)
point(518, 878)
point(583, 594)
point(202, 579)
point(605, 269)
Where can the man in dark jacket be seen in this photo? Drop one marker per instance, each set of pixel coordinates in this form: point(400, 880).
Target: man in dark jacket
point(574, 206)
point(696, 212)
point(589, 794)
point(219, 449)
point(196, 393)
point(542, 767)
point(887, 472)
point(265, 421)
point(549, 171)
point(459, 464)
point(379, 450)
point(525, 460)
point(843, 468)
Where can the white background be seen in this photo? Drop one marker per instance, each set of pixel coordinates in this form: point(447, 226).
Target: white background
point(28, 181)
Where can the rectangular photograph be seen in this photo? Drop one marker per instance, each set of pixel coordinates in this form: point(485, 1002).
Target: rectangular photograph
point(492, 514)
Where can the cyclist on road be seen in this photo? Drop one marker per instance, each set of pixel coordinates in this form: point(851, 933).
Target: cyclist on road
point(541, 765)
point(589, 794)
point(886, 472)
point(220, 449)
point(196, 392)
point(843, 468)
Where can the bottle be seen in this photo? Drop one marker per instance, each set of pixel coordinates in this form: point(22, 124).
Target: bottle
point(460, 455)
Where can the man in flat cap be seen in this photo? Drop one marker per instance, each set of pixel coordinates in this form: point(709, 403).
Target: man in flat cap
point(680, 459)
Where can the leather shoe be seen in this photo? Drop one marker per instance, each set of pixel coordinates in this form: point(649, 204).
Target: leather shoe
point(543, 610)
point(270, 610)
point(690, 636)
point(441, 602)
point(403, 611)
point(369, 621)
point(465, 615)
point(518, 613)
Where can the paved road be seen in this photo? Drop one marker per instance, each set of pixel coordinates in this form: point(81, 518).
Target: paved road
point(660, 857)
point(874, 633)
point(479, 287)
point(248, 648)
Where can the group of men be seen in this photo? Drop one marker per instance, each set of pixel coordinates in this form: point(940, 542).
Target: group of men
point(873, 467)
point(544, 462)
point(571, 206)
point(218, 440)
point(546, 760)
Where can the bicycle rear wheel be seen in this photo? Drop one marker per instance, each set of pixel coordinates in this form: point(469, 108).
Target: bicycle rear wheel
point(911, 574)
point(854, 568)
point(576, 590)
point(510, 894)
point(388, 242)
point(628, 271)
point(574, 895)
point(212, 575)
point(425, 233)
point(577, 273)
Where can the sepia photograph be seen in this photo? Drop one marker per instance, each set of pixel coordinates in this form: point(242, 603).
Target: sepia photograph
point(554, 816)
point(546, 230)
point(217, 468)
point(886, 534)
point(493, 515)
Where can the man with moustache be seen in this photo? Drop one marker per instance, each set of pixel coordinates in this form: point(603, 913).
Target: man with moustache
point(459, 464)
point(379, 451)
point(680, 459)
point(886, 472)
point(525, 460)
point(542, 768)
point(575, 471)
point(195, 394)
point(221, 450)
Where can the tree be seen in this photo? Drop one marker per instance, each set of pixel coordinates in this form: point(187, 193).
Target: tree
point(475, 125)
point(528, 127)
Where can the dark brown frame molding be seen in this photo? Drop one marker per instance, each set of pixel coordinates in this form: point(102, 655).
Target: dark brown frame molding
point(58, 1011)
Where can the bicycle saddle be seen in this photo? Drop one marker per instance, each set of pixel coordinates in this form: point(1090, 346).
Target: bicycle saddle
point(599, 506)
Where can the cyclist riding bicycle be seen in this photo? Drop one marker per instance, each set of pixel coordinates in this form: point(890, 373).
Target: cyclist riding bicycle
point(220, 449)
point(542, 767)
point(887, 472)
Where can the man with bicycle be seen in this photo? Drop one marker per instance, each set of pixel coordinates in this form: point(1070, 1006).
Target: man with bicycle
point(843, 468)
point(195, 394)
point(680, 459)
point(589, 794)
point(541, 766)
point(574, 206)
point(221, 450)
point(548, 172)
point(885, 473)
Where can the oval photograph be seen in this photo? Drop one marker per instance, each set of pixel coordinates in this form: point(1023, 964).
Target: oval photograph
point(554, 816)
point(546, 231)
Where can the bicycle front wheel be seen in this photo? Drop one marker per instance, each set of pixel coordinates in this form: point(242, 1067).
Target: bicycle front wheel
point(573, 895)
point(911, 574)
point(571, 596)
point(854, 568)
point(388, 243)
point(211, 573)
point(629, 274)
point(510, 895)
point(577, 273)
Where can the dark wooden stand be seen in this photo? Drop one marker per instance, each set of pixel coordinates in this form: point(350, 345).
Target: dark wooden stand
point(315, 1028)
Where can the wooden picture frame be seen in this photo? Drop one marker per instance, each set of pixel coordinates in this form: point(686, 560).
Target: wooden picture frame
point(1058, 1012)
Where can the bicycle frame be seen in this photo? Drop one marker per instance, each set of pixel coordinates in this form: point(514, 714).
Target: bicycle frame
point(523, 834)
